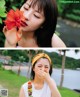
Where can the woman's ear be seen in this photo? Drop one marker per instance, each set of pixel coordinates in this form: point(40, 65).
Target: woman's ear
point(34, 69)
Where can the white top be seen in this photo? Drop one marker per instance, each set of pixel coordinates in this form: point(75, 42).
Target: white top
point(44, 92)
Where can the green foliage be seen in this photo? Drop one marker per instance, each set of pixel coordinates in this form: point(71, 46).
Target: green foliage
point(71, 63)
point(22, 56)
point(11, 62)
point(76, 11)
point(15, 54)
point(1, 64)
point(5, 52)
point(73, 17)
point(2, 10)
point(69, 9)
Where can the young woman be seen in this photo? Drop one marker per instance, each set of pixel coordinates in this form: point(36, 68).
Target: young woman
point(41, 85)
point(39, 26)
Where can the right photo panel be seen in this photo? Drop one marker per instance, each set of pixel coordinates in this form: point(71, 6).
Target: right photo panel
point(38, 73)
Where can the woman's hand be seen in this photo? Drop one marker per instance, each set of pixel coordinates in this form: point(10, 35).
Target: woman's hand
point(12, 36)
point(44, 75)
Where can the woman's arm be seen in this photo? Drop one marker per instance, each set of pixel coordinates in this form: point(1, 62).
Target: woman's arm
point(51, 83)
point(57, 42)
point(7, 44)
point(21, 94)
point(53, 88)
point(12, 37)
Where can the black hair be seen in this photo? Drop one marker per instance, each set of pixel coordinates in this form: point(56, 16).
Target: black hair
point(33, 73)
point(44, 35)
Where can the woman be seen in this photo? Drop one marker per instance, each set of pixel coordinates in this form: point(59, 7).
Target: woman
point(41, 85)
point(39, 26)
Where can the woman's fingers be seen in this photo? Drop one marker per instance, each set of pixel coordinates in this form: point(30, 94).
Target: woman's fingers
point(12, 36)
point(41, 73)
point(5, 29)
point(13, 32)
point(19, 35)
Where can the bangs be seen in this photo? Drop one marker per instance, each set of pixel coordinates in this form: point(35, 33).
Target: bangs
point(39, 3)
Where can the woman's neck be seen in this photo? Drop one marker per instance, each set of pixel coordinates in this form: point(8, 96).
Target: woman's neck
point(27, 35)
point(38, 83)
point(28, 40)
point(38, 80)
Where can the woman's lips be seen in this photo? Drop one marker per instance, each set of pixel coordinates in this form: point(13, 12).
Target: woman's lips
point(23, 24)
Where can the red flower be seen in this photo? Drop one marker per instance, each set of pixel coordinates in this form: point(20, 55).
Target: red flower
point(14, 19)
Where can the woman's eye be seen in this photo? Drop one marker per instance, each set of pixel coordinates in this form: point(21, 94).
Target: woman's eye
point(25, 8)
point(39, 66)
point(46, 67)
point(36, 16)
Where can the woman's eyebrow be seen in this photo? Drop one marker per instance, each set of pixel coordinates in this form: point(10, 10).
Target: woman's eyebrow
point(39, 64)
point(37, 11)
point(46, 65)
point(28, 4)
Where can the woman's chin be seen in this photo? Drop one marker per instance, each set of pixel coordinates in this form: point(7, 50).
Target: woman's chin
point(23, 29)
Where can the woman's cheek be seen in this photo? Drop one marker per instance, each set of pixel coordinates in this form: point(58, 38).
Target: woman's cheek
point(36, 21)
point(46, 70)
point(36, 71)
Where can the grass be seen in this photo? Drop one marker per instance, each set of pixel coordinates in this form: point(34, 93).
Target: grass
point(69, 93)
point(12, 82)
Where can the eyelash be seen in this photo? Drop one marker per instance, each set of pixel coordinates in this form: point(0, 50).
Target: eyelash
point(36, 16)
point(40, 66)
point(25, 8)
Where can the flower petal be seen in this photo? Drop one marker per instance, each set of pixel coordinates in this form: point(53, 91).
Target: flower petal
point(14, 19)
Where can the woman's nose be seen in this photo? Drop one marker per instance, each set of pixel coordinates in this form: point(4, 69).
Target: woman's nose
point(27, 15)
point(43, 68)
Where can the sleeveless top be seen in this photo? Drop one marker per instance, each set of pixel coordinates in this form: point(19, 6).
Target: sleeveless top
point(44, 92)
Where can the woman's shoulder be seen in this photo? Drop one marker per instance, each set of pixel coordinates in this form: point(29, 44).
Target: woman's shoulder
point(25, 85)
point(57, 42)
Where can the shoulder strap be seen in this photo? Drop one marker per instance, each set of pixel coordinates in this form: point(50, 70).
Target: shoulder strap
point(30, 89)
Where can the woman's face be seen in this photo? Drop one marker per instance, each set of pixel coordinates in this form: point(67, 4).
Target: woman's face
point(43, 65)
point(34, 18)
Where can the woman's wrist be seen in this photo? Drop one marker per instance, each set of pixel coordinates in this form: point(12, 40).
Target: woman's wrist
point(7, 44)
point(47, 77)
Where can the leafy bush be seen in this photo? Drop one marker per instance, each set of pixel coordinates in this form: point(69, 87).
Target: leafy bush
point(73, 17)
point(69, 9)
point(2, 10)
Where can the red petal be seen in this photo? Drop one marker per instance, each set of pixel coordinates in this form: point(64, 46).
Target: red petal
point(11, 15)
point(14, 19)
point(9, 24)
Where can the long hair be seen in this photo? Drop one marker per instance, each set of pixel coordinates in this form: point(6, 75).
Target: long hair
point(44, 35)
